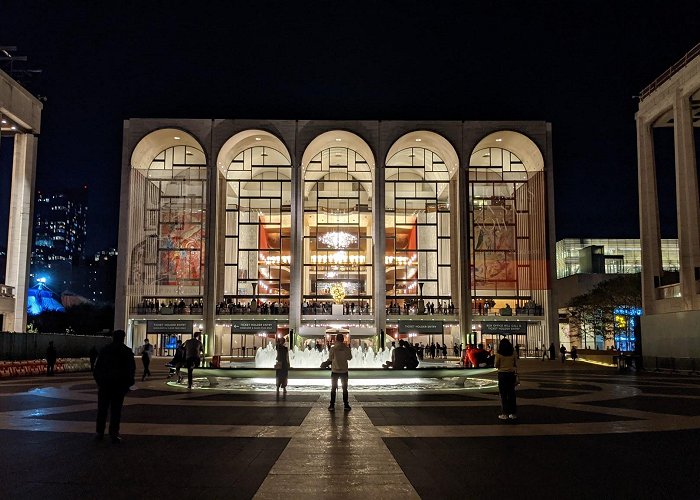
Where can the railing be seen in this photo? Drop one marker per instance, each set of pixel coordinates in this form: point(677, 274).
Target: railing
point(320, 311)
point(666, 75)
point(239, 309)
point(518, 311)
point(400, 311)
point(154, 309)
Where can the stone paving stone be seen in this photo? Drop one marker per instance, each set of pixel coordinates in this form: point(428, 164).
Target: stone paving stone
point(415, 396)
point(544, 393)
point(30, 402)
point(676, 391)
point(572, 386)
point(672, 406)
point(149, 393)
point(549, 467)
point(58, 465)
point(259, 396)
point(481, 415)
point(167, 414)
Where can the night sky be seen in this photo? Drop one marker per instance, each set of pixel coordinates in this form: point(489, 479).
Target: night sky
point(575, 64)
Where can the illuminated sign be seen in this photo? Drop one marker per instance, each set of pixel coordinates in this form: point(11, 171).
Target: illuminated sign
point(505, 327)
point(254, 326)
point(164, 326)
point(420, 326)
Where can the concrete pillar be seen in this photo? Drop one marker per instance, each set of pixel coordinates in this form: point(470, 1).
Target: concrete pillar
point(379, 240)
point(649, 231)
point(19, 235)
point(464, 250)
point(212, 237)
point(687, 206)
point(296, 267)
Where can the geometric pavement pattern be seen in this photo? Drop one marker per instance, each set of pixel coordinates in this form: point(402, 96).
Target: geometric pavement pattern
point(583, 432)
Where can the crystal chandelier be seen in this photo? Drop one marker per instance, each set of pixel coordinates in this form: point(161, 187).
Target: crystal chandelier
point(337, 239)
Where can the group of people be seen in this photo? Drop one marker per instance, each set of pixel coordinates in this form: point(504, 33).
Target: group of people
point(229, 306)
point(403, 356)
point(478, 357)
point(154, 306)
point(562, 352)
point(327, 308)
point(411, 306)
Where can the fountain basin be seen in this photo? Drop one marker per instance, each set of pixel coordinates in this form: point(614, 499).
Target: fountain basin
point(357, 373)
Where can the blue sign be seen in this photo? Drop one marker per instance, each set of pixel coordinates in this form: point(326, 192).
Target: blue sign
point(171, 343)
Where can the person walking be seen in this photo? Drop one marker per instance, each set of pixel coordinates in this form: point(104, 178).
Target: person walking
point(507, 366)
point(50, 359)
point(114, 373)
point(544, 352)
point(193, 351)
point(146, 355)
point(574, 353)
point(282, 366)
point(338, 357)
point(562, 351)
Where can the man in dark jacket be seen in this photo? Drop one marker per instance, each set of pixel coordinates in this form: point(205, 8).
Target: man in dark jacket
point(114, 373)
point(50, 358)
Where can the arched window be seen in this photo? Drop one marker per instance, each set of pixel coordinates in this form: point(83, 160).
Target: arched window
point(337, 230)
point(168, 223)
point(257, 251)
point(418, 230)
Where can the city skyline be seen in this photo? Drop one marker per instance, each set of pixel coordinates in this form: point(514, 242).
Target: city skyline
point(572, 67)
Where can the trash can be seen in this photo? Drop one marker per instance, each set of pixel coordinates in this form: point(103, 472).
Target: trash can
point(216, 361)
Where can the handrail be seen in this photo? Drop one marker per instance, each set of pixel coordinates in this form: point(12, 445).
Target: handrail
point(666, 75)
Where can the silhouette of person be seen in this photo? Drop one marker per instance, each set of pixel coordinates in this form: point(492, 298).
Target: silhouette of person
point(339, 356)
point(193, 350)
point(146, 355)
point(114, 373)
point(93, 357)
point(50, 359)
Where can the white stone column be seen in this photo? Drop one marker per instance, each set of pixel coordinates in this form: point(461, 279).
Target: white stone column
point(687, 206)
point(379, 240)
point(649, 231)
point(19, 235)
point(296, 267)
point(211, 269)
point(464, 251)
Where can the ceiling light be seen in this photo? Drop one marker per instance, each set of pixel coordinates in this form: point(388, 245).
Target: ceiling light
point(258, 139)
point(4, 121)
point(499, 139)
point(13, 127)
point(486, 155)
point(338, 139)
point(177, 137)
point(418, 140)
point(338, 239)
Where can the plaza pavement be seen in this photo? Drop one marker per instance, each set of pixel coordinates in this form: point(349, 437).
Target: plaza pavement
point(583, 431)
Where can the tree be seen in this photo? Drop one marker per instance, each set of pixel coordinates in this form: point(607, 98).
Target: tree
point(592, 315)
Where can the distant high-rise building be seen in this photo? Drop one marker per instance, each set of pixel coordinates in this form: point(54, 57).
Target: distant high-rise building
point(60, 230)
point(102, 274)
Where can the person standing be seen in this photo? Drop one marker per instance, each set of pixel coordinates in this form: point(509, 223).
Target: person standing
point(338, 357)
point(551, 352)
point(282, 366)
point(506, 363)
point(114, 373)
point(544, 352)
point(562, 351)
point(50, 359)
point(146, 355)
point(93, 357)
point(574, 353)
point(193, 351)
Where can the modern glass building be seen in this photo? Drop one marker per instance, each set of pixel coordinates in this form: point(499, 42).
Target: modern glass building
point(618, 255)
point(254, 229)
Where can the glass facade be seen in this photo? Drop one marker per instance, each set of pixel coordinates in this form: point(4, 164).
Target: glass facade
point(622, 255)
point(256, 239)
point(168, 229)
point(337, 238)
point(257, 249)
point(418, 228)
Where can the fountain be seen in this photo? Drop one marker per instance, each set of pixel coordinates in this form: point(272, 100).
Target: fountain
point(312, 358)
